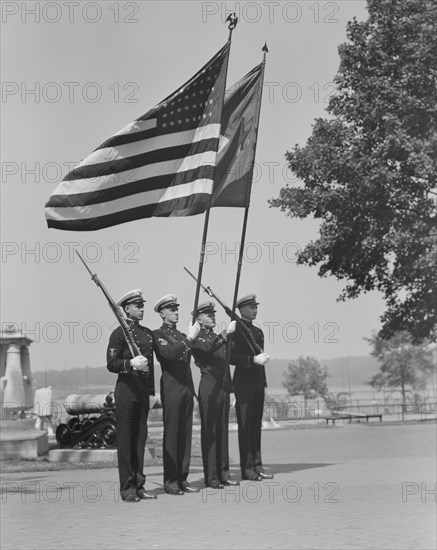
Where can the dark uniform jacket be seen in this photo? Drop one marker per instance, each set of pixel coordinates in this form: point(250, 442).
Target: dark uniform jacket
point(172, 347)
point(119, 356)
point(242, 354)
point(209, 353)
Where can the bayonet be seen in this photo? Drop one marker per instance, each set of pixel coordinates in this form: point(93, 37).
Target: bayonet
point(247, 333)
point(133, 347)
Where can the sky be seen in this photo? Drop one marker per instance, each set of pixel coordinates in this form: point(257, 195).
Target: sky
point(73, 74)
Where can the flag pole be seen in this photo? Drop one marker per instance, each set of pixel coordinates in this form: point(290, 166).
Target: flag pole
point(232, 24)
point(248, 191)
point(227, 377)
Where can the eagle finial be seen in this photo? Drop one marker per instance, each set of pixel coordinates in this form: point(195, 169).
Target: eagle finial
point(233, 20)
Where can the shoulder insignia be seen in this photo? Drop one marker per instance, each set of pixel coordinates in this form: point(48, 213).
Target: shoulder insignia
point(112, 352)
point(162, 341)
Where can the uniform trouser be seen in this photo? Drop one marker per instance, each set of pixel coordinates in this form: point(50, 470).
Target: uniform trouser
point(249, 407)
point(131, 426)
point(214, 415)
point(177, 405)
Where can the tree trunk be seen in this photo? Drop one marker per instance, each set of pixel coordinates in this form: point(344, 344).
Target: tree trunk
point(403, 391)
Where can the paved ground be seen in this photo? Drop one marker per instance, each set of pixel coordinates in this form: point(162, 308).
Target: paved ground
point(350, 486)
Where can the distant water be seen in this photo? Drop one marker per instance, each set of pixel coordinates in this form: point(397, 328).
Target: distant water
point(363, 393)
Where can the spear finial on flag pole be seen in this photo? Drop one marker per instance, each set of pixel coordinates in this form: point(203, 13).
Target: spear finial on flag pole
point(266, 51)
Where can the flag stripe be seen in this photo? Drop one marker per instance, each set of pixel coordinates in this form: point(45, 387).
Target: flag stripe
point(147, 197)
point(145, 159)
point(192, 205)
point(152, 144)
point(134, 131)
point(204, 172)
point(125, 139)
point(136, 126)
point(126, 177)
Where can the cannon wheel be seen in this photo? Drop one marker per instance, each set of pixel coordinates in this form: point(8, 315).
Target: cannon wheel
point(93, 441)
point(96, 440)
point(74, 424)
point(63, 436)
point(109, 436)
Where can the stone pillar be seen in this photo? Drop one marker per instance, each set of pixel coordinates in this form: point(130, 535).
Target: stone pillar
point(27, 377)
point(2, 359)
point(13, 394)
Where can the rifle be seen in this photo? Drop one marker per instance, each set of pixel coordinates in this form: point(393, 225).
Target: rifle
point(247, 333)
point(127, 331)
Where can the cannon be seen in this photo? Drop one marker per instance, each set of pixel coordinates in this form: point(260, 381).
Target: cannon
point(92, 422)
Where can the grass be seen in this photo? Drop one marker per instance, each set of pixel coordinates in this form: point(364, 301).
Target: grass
point(44, 465)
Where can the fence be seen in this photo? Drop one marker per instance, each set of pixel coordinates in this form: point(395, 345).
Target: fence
point(317, 410)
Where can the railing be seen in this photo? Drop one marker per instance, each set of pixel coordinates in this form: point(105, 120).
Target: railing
point(293, 412)
point(317, 410)
point(419, 411)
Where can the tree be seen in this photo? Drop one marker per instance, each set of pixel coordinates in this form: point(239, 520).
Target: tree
point(369, 171)
point(306, 377)
point(402, 363)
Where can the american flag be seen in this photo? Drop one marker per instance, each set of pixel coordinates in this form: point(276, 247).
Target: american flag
point(162, 164)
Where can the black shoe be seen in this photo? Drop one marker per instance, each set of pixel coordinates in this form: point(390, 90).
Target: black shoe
point(253, 477)
point(216, 485)
point(262, 475)
point(189, 489)
point(132, 498)
point(174, 491)
point(145, 495)
point(230, 483)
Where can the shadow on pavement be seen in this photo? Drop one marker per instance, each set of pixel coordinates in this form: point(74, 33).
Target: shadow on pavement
point(288, 468)
point(235, 474)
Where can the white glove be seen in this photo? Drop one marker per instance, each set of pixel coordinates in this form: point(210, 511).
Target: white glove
point(231, 327)
point(140, 363)
point(193, 331)
point(261, 359)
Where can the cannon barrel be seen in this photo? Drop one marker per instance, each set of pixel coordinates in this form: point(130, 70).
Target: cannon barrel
point(88, 404)
point(92, 422)
point(92, 431)
point(76, 403)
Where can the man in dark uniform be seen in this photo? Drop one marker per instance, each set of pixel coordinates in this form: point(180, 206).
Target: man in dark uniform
point(177, 392)
point(249, 385)
point(135, 383)
point(209, 353)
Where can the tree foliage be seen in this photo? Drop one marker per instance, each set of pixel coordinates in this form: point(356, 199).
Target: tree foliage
point(402, 363)
point(306, 377)
point(369, 171)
